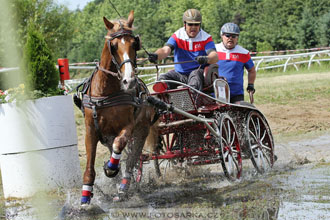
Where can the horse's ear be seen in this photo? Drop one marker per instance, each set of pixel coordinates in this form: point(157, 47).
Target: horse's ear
point(107, 23)
point(130, 19)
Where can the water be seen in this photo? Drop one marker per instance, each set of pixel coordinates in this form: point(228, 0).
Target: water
point(298, 187)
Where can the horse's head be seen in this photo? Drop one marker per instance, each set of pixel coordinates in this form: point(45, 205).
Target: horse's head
point(122, 45)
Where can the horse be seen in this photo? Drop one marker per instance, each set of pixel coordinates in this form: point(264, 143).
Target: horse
point(115, 107)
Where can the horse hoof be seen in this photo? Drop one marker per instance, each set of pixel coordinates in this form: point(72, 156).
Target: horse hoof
point(85, 201)
point(110, 172)
point(121, 196)
point(84, 205)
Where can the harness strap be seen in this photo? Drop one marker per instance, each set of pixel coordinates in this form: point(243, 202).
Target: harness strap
point(98, 67)
point(94, 103)
point(96, 124)
point(122, 98)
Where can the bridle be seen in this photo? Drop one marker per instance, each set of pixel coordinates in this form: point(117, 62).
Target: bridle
point(122, 32)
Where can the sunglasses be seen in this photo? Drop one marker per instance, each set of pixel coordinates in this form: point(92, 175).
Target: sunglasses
point(193, 24)
point(231, 35)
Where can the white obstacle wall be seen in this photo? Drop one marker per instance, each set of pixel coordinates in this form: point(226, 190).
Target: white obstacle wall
point(38, 148)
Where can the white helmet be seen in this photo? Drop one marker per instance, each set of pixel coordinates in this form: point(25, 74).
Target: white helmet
point(229, 28)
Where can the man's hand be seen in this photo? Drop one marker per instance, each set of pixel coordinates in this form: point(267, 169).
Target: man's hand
point(250, 88)
point(202, 59)
point(153, 57)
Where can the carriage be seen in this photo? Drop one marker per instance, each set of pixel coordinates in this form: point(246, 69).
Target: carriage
point(188, 125)
point(196, 128)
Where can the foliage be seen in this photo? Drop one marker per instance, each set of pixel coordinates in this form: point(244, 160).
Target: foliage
point(264, 46)
point(79, 35)
point(41, 71)
point(324, 30)
point(306, 30)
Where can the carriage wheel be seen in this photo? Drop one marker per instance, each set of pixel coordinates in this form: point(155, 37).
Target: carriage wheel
point(157, 163)
point(260, 142)
point(163, 166)
point(230, 150)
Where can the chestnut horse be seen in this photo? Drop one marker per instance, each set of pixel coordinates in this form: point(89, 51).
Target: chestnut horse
point(115, 107)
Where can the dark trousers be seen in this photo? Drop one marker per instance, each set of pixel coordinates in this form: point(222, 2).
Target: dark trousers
point(236, 98)
point(194, 79)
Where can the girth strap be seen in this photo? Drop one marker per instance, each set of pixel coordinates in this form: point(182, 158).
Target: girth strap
point(120, 98)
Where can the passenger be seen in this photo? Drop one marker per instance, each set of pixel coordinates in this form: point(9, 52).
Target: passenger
point(232, 60)
point(188, 43)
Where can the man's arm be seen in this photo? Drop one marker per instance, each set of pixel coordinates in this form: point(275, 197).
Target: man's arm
point(163, 52)
point(212, 57)
point(252, 74)
point(251, 78)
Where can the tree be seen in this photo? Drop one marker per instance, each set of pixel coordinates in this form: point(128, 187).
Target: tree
point(323, 30)
point(306, 30)
point(41, 73)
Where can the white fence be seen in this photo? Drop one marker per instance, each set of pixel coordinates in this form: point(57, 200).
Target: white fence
point(289, 60)
point(261, 63)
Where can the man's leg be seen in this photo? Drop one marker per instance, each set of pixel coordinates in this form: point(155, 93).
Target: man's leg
point(175, 76)
point(237, 99)
point(196, 79)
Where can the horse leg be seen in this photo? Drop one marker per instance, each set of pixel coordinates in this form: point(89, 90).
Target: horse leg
point(112, 167)
point(89, 174)
point(134, 150)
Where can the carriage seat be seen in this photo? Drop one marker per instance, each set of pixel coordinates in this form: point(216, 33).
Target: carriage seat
point(210, 74)
point(221, 90)
point(215, 84)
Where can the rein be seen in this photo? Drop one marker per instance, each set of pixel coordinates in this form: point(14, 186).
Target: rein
point(108, 71)
point(165, 64)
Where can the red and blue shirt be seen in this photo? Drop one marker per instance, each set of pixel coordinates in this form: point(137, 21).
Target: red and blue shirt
point(231, 66)
point(186, 49)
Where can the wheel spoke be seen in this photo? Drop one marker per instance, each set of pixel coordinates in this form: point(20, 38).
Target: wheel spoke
point(252, 134)
point(254, 125)
point(254, 146)
point(228, 130)
point(224, 141)
point(265, 147)
point(235, 162)
point(225, 154)
point(229, 165)
point(233, 139)
point(258, 128)
point(225, 131)
point(263, 136)
point(266, 156)
point(260, 157)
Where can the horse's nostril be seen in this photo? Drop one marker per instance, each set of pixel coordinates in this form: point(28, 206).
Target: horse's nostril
point(125, 81)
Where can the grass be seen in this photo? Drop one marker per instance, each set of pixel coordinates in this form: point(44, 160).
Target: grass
point(293, 90)
point(292, 87)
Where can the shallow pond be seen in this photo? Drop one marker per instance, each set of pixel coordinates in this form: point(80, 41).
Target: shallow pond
point(296, 188)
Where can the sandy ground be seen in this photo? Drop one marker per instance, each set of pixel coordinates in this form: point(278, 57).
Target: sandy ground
point(302, 118)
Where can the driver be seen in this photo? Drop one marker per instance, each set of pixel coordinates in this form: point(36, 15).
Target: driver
point(189, 43)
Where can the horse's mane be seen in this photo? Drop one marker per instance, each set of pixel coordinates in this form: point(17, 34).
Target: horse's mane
point(117, 22)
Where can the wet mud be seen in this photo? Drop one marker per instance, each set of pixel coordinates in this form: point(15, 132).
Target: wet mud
point(298, 187)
